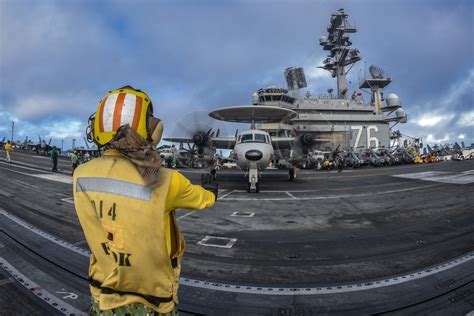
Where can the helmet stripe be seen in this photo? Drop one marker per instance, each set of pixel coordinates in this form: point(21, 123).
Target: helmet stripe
point(101, 114)
point(108, 113)
point(128, 109)
point(118, 111)
point(138, 112)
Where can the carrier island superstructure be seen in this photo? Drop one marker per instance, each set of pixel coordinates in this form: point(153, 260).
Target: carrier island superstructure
point(342, 117)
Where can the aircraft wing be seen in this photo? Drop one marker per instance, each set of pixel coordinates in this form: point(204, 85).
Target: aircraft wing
point(223, 142)
point(217, 142)
point(179, 139)
point(290, 142)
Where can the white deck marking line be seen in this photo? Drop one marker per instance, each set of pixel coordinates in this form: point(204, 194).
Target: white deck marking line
point(290, 195)
point(45, 235)
point(55, 177)
point(335, 189)
point(23, 167)
point(440, 176)
point(185, 215)
point(16, 171)
point(330, 196)
point(223, 196)
point(47, 176)
point(243, 214)
point(207, 242)
point(68, 200)
point(332, 289)
point(34, 288)
point(302, 290)
point(33, 156)
point(81, 242)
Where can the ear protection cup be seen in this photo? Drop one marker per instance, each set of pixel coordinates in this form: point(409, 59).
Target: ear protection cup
point(90, 130)
point(156, 130)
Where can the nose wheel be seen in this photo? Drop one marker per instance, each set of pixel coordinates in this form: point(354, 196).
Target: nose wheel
point(252, 184)
point(255, 188)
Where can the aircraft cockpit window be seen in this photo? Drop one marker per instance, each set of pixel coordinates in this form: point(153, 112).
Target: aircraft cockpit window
point(247, 138)
point(238, 139)
point(260, 138)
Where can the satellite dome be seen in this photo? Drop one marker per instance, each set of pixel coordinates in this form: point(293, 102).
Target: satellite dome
point(401, 116)
point(392, 100)
point(255, 98)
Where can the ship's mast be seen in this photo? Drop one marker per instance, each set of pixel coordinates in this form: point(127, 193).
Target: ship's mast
point(341, 55)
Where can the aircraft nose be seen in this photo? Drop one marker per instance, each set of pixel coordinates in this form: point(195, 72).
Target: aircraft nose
point(253, 155)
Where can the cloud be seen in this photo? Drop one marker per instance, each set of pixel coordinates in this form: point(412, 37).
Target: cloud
point(65, 128)
point(63, 56)
point(431, 139)
point(466, 119)
point(34, 107)
point(461, 91)
point(445, 116)
point(316, 73)
point(430, 119)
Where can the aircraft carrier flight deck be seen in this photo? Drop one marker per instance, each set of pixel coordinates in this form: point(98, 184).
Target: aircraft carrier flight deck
point(392, 240)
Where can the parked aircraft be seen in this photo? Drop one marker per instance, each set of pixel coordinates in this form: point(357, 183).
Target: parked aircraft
point(253, 149)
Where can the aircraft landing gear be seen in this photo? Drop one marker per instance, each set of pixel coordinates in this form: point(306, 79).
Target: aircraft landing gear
point(256, 188)
point(252, 185)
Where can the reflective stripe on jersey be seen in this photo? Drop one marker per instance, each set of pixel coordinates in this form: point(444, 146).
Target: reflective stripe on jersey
point(113, 186)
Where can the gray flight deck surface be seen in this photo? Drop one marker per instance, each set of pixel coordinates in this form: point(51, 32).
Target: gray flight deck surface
point(396, 240)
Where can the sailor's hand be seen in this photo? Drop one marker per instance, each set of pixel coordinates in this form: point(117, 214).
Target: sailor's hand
point(209, 183)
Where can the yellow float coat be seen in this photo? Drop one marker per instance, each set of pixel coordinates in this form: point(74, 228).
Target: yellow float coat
point(132, 231)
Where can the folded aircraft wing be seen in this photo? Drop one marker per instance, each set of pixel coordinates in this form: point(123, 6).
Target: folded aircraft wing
point(289, 142)
point(223, 142)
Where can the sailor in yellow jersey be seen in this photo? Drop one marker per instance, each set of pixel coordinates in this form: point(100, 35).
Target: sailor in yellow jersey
point(8, 149)
point(126, 205)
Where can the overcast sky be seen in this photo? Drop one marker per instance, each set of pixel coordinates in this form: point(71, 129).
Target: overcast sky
point(58, 58)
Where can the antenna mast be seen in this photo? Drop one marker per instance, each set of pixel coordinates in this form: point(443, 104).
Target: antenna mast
point(337, 43)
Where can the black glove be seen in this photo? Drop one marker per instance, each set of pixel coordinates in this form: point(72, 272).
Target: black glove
point(209, 183)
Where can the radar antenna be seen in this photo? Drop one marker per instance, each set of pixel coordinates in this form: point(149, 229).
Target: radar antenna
point(376, 72)
point(295, 79)
point(341, 55)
